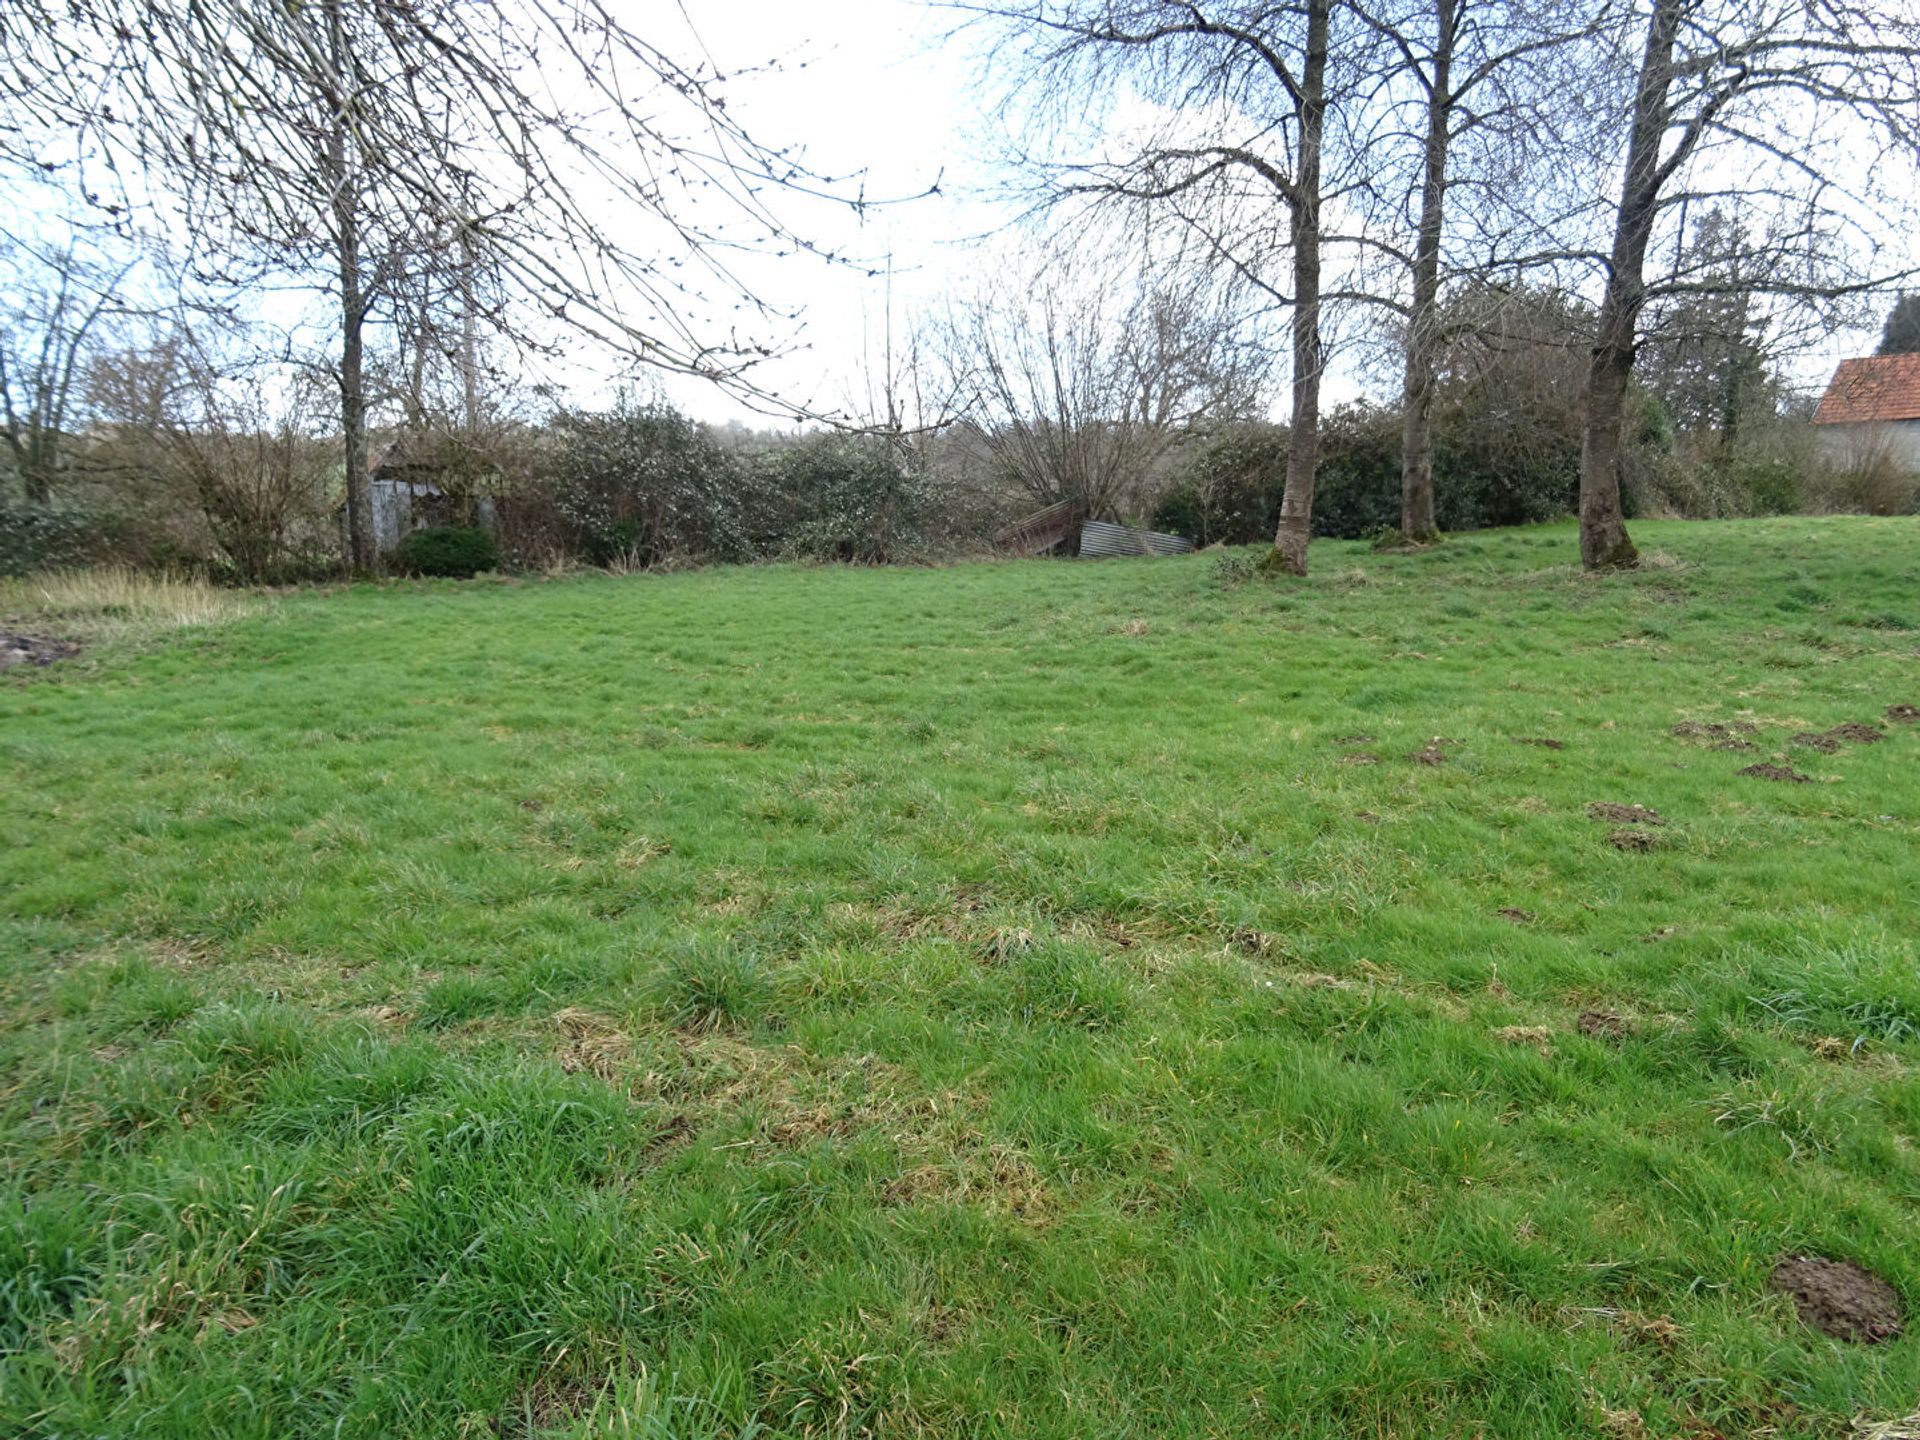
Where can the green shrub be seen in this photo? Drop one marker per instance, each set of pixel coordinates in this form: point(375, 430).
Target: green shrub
point(1228, 493)
point(1357, 487)
point(848, 497)
point(643, 484)
point(456, 551)
point(1501, 467)
point(40, 539)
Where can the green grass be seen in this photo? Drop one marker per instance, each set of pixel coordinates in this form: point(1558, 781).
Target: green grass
point(988, 1001)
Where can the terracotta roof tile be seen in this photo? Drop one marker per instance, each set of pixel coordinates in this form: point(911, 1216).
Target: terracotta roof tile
point(1880, 387)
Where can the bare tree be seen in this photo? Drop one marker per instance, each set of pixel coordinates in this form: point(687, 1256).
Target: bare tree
point(1079, 386)
point(58, 306)
point(189, 411)
point(1243, 96)
point(1486, 71)
point(602, 180)
point(1803, 117)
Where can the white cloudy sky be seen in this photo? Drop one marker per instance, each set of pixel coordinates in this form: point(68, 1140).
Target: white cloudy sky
point(877, 86)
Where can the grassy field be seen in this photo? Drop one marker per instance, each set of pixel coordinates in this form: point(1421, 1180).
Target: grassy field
point(1034, 999)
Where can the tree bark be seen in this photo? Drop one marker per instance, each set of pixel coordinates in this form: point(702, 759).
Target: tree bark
point(1303, 442)
point(1604, 543)
point(33, 480)
point(361, 550)
point(1417, 525)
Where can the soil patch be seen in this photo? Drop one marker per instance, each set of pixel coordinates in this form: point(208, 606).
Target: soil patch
point(1783, 773)
point(1515, 914)
point(1839, 1298)
point(1432, 753)
point(1631, 840)
point(1697, 730)
point(33, 650)
point(1904, 714)
point(1603, 1024)
point(1625, 814)
point(1828, 741)
point(1541, 740)
point(1854, 733)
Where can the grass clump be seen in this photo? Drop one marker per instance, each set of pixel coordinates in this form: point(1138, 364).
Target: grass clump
point(712, 987)
point(1043, 999)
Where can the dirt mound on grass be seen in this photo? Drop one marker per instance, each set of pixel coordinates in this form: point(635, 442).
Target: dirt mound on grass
point(1625, 814)
point(1854, 733)
point(1839, 1298)
point(33, 650)
point(1604, 1024)
point(1724, 737)
point(1630, 840)
point(1543, 741)
point(1698, 730)
point(1904, 714)
point(1783, 773)
point(1828, 741)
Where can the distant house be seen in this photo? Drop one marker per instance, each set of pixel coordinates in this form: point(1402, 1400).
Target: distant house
point(1872, 410)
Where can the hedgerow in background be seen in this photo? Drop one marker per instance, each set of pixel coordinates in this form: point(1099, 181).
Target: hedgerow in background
point(641, 484)
point(848, 497)
point(38, 538)
point(1227, 492)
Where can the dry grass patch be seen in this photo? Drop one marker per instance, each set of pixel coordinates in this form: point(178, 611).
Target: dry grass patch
point(118, 604)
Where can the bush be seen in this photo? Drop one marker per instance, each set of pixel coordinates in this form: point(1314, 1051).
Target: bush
point(643, 484)
point(1507, 466)
point(1862, 480)
point(1357, 487)
point(38, 539)
point(456, 551)
point(1228, 493)
point(848, 498)
point(1710, 485)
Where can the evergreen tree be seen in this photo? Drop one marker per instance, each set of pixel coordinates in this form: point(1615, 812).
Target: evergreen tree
point(1902, 335)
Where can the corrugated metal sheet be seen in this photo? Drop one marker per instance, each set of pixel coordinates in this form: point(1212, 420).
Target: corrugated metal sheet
point(1101, 537)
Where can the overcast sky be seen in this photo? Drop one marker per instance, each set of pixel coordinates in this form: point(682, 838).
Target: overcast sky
point(885, 87)
point(880, 87)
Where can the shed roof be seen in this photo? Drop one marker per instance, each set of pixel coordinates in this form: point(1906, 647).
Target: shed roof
point(1878, 387)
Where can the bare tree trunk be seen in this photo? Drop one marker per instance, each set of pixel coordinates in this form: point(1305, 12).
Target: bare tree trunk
point(469, 339)
point(1303, 441)
point(353, 310)
point(34, 480)
point(1417, 526)
point(1604, 544)
point(353, 403)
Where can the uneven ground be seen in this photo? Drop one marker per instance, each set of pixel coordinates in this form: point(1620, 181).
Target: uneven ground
point(1019, 1000)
